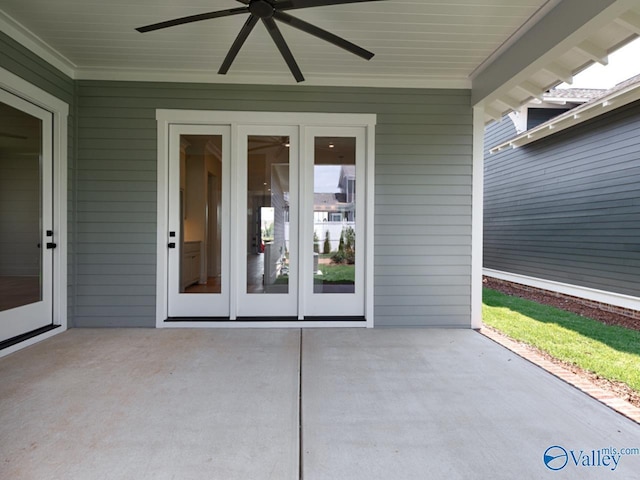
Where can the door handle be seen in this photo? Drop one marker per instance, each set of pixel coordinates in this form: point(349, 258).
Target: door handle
point(49, 245)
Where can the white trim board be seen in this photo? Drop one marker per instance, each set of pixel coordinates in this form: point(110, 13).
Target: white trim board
point(60, 111)
point(35, 44)
point(477, 217)
point(610, 298)
point(303, 120)
point(575, 116)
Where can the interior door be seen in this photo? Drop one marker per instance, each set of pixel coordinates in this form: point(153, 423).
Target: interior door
point(26, 220)
point(267, 199)
point(335, 217)
point(198, 236)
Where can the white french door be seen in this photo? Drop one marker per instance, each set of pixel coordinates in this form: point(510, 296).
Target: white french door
point(266, 220)
point(198, 224)
point(26, 217)
point(268, 209)
point(334, 209)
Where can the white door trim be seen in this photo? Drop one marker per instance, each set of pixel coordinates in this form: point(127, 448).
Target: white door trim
point(234, 119)
point(60, 112)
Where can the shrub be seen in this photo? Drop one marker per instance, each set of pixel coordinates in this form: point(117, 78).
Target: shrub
point(316, 243)
point(350, 245)
point(338, 257)
point(347, 249)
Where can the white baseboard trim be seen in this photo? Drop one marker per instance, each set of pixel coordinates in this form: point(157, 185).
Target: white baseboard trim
point(602, 296)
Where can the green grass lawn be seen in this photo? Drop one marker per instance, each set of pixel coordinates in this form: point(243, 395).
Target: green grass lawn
point(331, 274)
point(609, 351)
point(336, 274)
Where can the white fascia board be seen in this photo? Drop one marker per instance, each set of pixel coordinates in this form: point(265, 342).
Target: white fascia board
point(574, 117)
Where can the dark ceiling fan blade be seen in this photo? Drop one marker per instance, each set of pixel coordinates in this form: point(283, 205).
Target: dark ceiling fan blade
point(193, 18)
point(323, 34)
point(237, 44)
point(293, 4)
point(278, 39)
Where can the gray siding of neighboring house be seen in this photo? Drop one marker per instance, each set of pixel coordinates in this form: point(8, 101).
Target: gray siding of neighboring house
point(422, 199)
point(25, 64)
point(567, 207)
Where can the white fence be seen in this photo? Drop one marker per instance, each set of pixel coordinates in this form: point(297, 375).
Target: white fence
point(321, 229)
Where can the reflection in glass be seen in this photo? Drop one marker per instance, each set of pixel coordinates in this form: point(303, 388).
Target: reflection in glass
point(334, 213)
point(200, 213)
point(267, 214)
point(20, 208)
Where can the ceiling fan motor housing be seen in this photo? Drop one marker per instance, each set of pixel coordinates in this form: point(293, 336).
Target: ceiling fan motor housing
point(261, 8)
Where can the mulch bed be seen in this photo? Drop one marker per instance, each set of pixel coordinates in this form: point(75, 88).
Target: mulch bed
point(609, 318)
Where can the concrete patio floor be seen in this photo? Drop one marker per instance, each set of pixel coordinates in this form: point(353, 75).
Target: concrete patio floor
point(288, 404)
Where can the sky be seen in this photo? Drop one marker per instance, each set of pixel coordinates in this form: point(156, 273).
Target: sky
point(325, 178)
point(623, 64)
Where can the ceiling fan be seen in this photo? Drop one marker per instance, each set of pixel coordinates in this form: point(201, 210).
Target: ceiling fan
point(268, 11)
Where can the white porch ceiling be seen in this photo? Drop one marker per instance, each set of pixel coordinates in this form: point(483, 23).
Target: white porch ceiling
point(417, 43)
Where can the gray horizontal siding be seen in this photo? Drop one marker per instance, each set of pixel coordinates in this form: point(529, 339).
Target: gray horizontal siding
point(25, 64)
point(567, 208)
point(423, 193)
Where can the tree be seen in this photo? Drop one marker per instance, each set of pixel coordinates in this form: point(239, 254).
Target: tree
point(341, 244)
point(316, 243)
point(326, 248)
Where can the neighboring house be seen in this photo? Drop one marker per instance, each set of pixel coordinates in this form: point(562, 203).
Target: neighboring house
point(562, 198)
point(338, 206)
point(150, 182)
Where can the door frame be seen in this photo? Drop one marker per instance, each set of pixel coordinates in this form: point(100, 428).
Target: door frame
point(60, 111)
point(188, 302)
point(235, 119)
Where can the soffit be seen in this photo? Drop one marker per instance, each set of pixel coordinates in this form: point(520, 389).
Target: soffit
point(417, 43)
point(615, 27)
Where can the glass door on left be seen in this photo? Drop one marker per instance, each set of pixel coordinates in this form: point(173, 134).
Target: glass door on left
point(26, 235)
point(198, 237)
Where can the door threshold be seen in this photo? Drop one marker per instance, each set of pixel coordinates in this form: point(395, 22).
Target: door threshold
point(10, 342)
point(265, 322)
point(265, 319)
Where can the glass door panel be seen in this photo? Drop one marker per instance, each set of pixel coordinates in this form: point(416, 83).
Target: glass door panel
point(335, 210)
point(198, 223)
point(268, 171)
point(25, 217)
